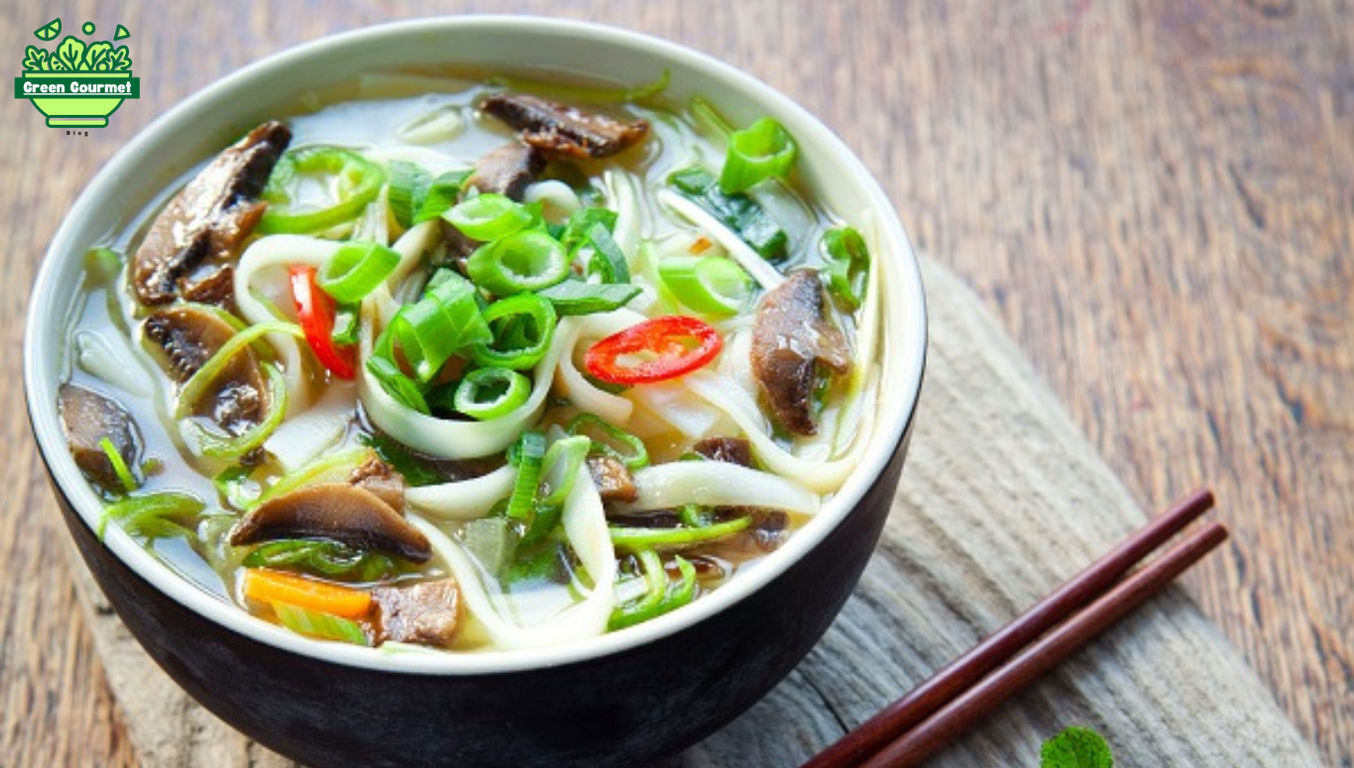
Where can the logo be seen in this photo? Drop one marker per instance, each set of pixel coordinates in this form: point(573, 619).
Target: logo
point(79, 84)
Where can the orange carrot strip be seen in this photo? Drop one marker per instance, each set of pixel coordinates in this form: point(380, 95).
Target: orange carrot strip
point(265, 586)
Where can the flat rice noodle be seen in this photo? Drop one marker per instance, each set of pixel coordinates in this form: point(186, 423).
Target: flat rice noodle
point(463, 499)
point(756, 266)
point(586, 531)
point(715, 484)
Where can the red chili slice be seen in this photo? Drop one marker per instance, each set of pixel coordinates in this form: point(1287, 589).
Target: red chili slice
point(315, 310)
point(672, 346)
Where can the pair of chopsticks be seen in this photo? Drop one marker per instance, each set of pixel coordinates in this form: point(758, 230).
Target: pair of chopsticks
point(935, 712)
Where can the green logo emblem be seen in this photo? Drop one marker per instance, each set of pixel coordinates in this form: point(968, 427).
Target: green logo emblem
point(78, 85)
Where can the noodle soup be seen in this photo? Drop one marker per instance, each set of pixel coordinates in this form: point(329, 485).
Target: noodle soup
point(476, 365)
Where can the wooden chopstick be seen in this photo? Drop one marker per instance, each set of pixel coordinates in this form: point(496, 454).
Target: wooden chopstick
point(943, 690)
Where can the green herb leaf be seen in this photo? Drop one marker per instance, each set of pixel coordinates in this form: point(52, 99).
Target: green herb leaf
point(70, 54)
point(97, 56)
point(35, 59)
point(120, 60)
point(736, 211)
point(575, 297)
point(1076, 748)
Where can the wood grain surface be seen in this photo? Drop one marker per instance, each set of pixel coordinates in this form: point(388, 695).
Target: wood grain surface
point(1156, 198)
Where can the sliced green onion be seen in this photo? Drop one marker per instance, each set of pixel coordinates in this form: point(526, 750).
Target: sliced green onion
point(847, 263)
point(347, 325)
point(693, 515)
point(327, 626)
point(357, 181)
point(119, 466)
point(202, 380)
point(409, 185)
point(580, 221)
point(560, 469)
point(559, 473)
point(575, 297)
point(759, 152)
point(610, 440)
point(235, 487)
point(635, 539)
point(153, 515)
point(488, 217)
point(713, 284)
point(396, 384)
point(441, 324)
point(660, 595)
point(329, 467)
point(323, 557)
point(530, 455)
point(709, 118)
point(736, 211)
point(488, 393)
point(607, 262)
point(526, 327)
point(234, 447)
point(441, 196)
point(585, 93)
point(355, 270)
point(524, 261)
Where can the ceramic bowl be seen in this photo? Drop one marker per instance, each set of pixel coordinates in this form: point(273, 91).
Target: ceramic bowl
point(623, 699)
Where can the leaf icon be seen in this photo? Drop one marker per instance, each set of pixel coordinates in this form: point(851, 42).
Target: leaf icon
point(119, 60)
point(69, 54)
point(35, 59)
point(97, 56)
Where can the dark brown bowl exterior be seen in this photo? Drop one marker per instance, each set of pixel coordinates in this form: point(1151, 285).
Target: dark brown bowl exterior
point(618, 710)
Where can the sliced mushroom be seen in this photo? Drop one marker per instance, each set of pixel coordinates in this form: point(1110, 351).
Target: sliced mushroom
point(732, 450)
point(189, 336)
point(216, 289)
point(790, 338)
point(89, 417)
point(427, 612)
point(210, 218)
point(346, 513)
point(381, 479)
point(559, 129)
point(507, 170)
point(612, 478)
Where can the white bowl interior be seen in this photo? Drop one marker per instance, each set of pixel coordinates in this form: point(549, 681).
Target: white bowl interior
point(213, 117)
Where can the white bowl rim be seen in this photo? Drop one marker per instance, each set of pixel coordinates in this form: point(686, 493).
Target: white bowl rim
point(905, 329)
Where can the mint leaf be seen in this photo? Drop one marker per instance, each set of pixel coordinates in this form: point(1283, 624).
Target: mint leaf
point(1076, 748)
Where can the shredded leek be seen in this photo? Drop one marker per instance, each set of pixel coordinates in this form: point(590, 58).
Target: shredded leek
point(607, 262)
point(319, 624)
point(233, 447)
point(199, 383)
point(441, 324)
point(328, 467)
point(119, 466)
point(636, 539)
point(357, 181)
point(441, 195)
point(409, 185)
point(610, 440)
point(155, 515)
point(323, 557)
point(660, 595)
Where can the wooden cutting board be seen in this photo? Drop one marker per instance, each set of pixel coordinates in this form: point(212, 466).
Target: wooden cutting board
point(1002, 498)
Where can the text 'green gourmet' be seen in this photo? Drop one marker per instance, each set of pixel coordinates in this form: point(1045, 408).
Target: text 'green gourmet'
point(77, 86)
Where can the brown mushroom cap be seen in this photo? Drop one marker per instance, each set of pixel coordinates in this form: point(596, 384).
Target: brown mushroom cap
point(346, 513)
point(189, 336)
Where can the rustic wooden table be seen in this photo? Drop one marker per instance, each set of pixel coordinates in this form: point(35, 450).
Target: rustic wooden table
point(1155, 198)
